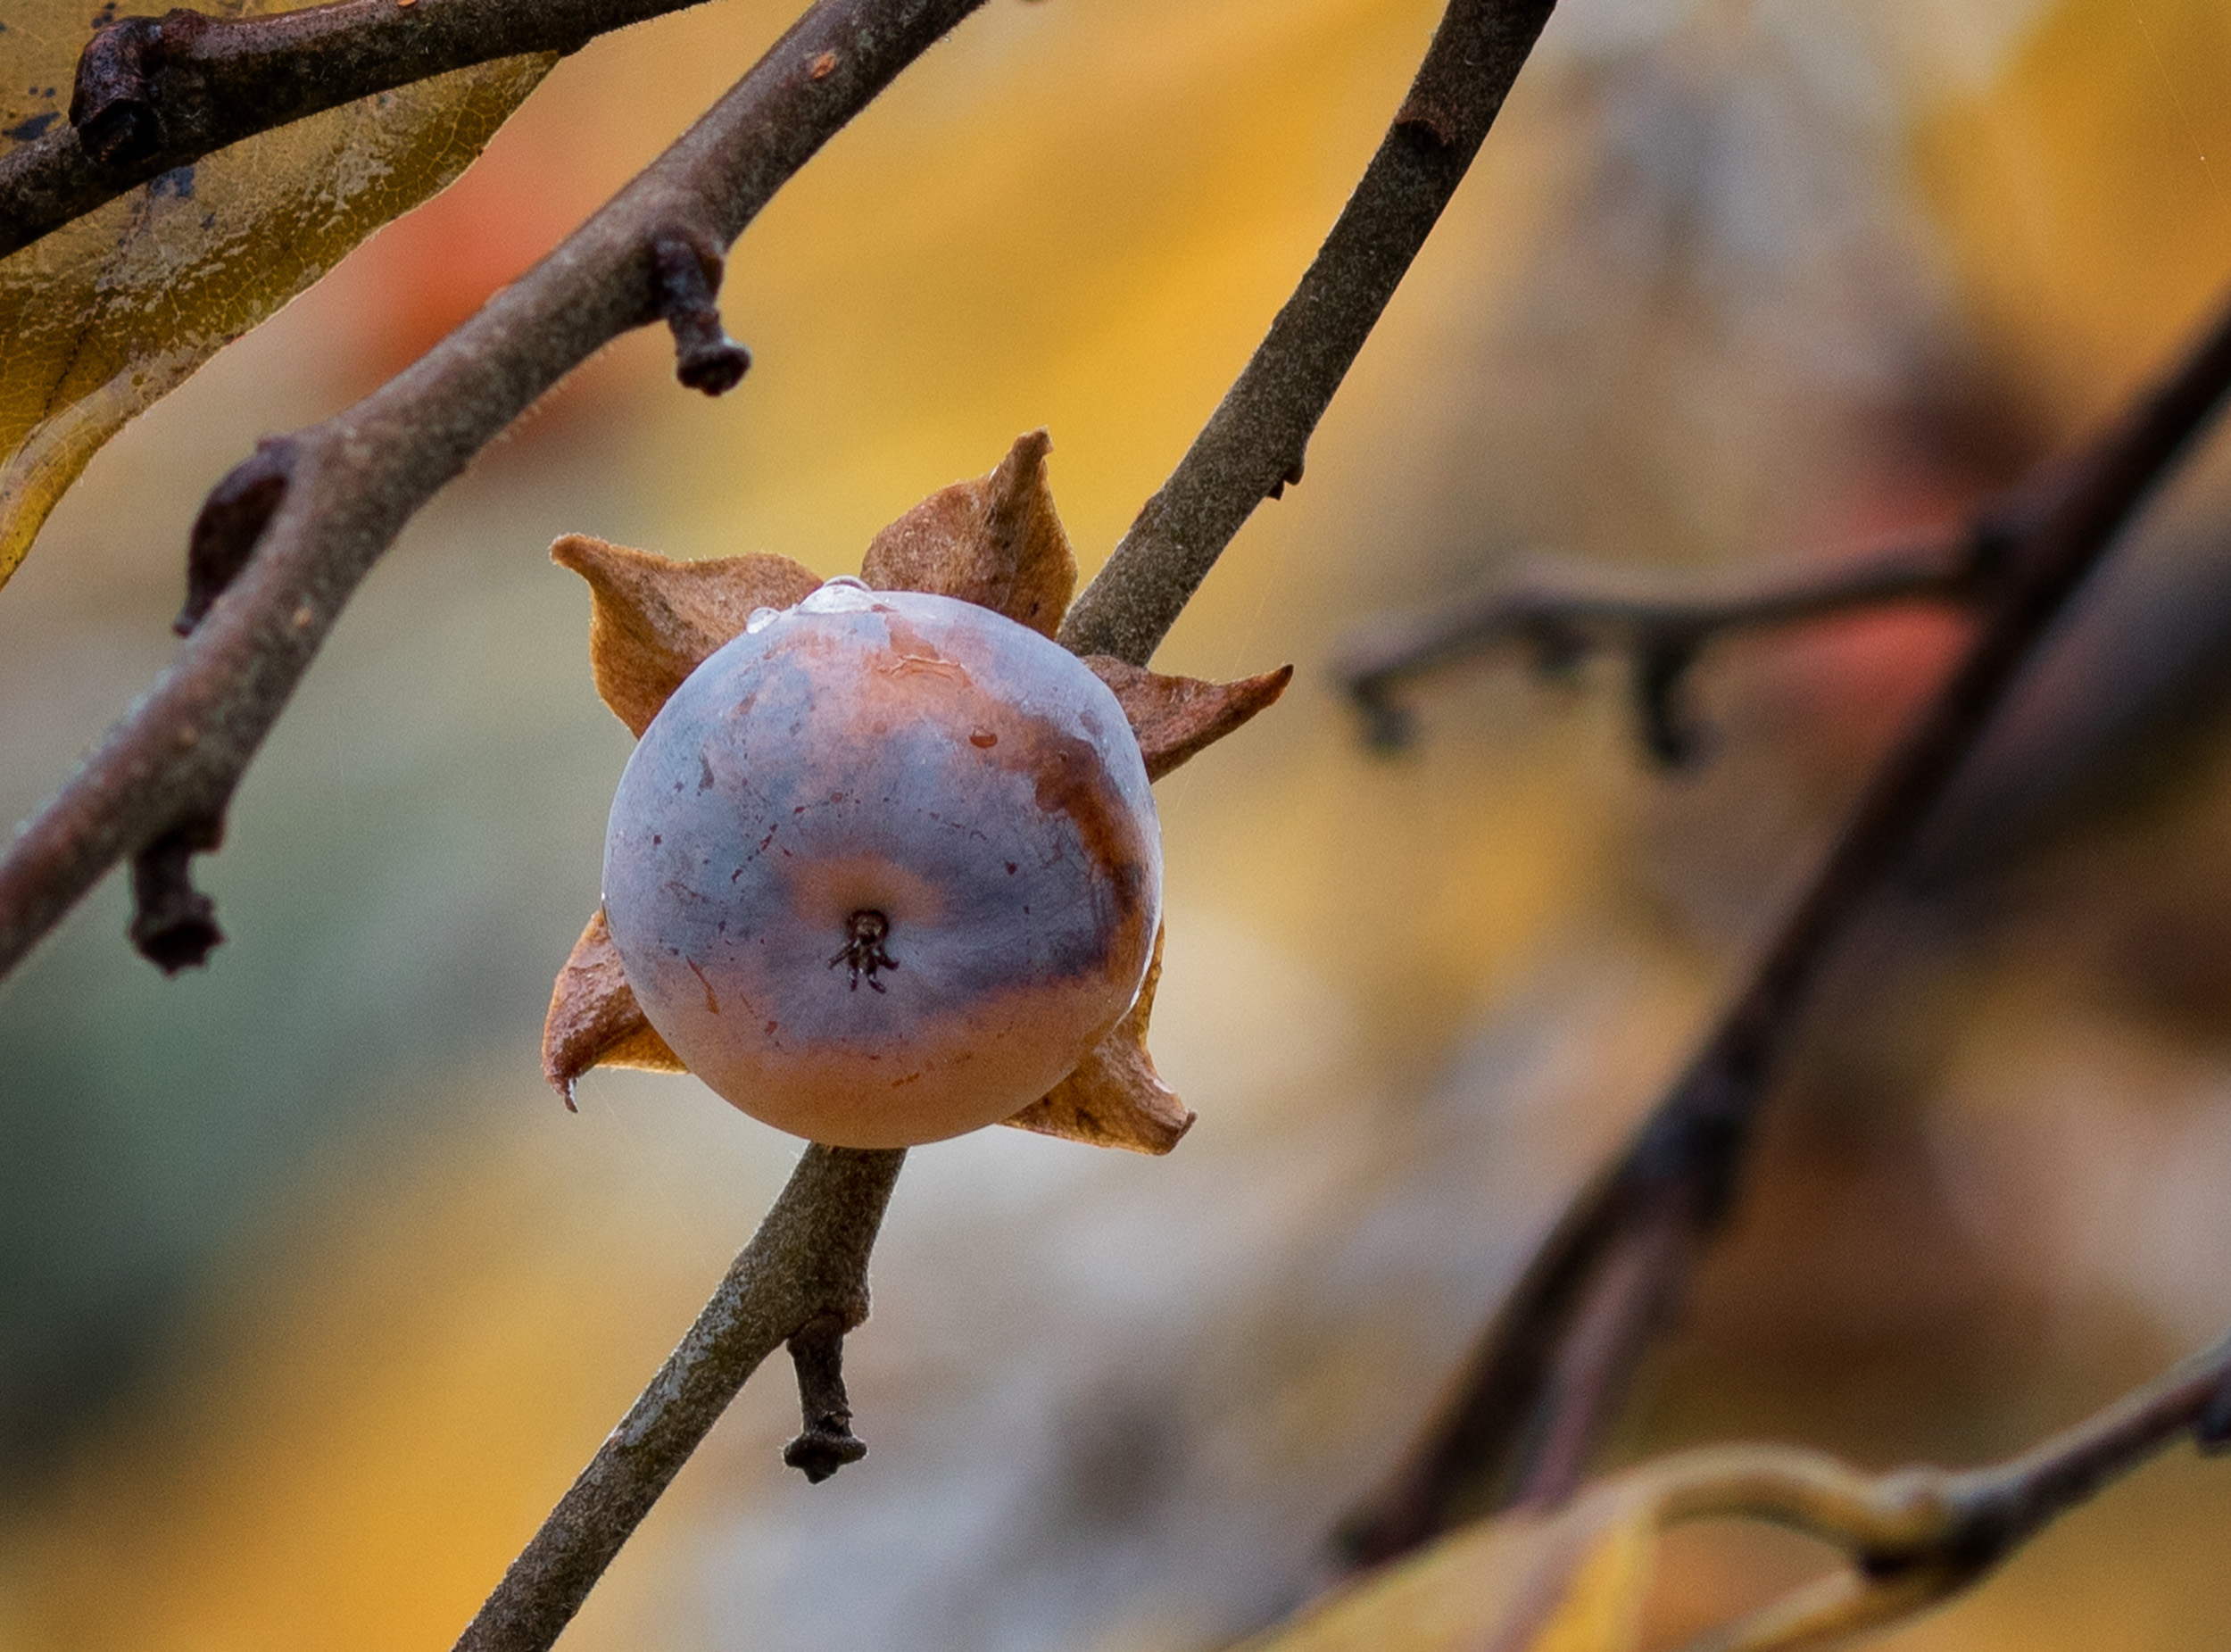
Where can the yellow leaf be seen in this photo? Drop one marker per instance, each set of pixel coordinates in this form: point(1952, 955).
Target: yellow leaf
point(107, 314)
point(1568, 1582)
point(1600, 1605)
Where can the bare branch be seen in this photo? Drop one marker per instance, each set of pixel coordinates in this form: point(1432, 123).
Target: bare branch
point(1918, 1536)
point(282, 544)
point(803, 1274)
point(348, 486)
point(1996, 1509)
point(1261, 426)
point(152, 93)
point(1677, 1176)
point(1253, 443)
point(1564, 614)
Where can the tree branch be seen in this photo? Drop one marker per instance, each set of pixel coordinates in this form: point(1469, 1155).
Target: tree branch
point(1565, 614)
point(1677, 1176)
point(282, 544)
point(1253, 443)
point(803, 1275)
point(152, 93)
point(1918, 1536)
point(336, 494)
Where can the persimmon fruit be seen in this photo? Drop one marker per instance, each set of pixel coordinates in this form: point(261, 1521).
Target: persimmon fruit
point(885, 867)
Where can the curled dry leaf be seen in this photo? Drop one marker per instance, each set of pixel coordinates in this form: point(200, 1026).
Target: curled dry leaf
point(595, 1020)
point(1176, 716)
point(1115, 1098)
point(107, 315)
point(996, 540)
point(653, 620)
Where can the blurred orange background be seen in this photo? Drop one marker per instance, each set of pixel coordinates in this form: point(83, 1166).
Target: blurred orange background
point(312, 1300)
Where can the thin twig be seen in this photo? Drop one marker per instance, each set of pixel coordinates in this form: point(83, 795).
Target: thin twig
point(804, 1272)
point(1997, 1508)
point(2042, 537)
point(1253, 443)
point(1918, 1536)
point(152, 93)
point(347, 485)
point(1564, 614)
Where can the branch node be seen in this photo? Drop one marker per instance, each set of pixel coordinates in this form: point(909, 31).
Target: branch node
point(686, 269)
point(816, 1349)
point(1670, 732)
point(1559, 647)
point(1390, 728)
point(174, 924)
point(1292, 478)
point(1419, 117)
point(232, 520)
point(111, 104)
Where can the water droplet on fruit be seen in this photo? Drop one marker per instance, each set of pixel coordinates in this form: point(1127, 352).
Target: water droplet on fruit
point(983, 739)
point(844, 594)
point(762, 617)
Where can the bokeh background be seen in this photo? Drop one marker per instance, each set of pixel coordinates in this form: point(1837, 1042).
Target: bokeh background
point(312, 1298)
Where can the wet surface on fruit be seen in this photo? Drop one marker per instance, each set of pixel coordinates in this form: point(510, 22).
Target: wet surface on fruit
point(912, 757)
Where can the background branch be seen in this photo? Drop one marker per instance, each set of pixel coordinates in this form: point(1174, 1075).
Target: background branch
point(1566, 613)
point(803, 1275)
point(152, 93)
point(1919, 1536)
point(1674, 1180)
point(1253, 443)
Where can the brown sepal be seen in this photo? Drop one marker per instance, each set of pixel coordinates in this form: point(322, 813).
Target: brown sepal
point(594, 1018)
point(995, 541)
point(1115, 1098)
point(653, 619)
point(1175, 717)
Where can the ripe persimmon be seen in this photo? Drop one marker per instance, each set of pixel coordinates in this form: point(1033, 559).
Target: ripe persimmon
point(885, 866)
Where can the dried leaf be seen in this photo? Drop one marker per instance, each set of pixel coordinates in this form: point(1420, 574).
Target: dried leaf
point(1569, 1581)
point(996, 542)
point(1599, 1606)
point(594, 1018)
point(1114, 1098)
point(653, 619)
point(104, 317)
point(1176, 716)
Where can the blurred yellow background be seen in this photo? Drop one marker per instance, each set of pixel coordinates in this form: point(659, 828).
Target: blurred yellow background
point(314, 1298)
